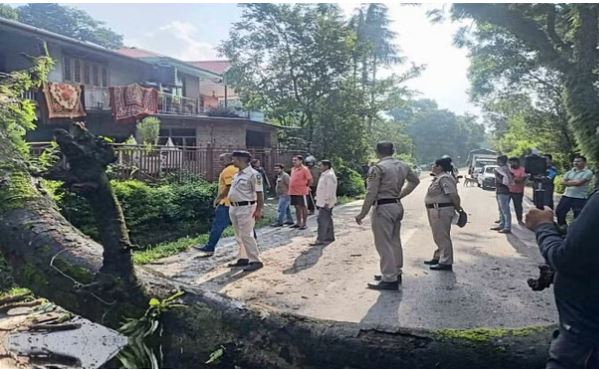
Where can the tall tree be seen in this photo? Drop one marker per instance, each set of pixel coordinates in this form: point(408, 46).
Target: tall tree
point(69, 22)
point(562, 38)
point(502, 70)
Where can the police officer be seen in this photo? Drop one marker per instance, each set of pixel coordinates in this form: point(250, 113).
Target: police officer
point(385, 190)
point(441, 202)
point(247, 201)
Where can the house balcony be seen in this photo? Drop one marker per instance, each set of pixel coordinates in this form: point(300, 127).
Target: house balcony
point(178, 105)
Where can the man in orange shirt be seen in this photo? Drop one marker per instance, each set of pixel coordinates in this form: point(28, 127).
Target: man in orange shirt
point(221, 203)
point(299, 188)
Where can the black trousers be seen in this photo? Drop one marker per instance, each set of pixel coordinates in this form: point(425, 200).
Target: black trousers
point(517, 200)
point(569, 351)
point(565, 205)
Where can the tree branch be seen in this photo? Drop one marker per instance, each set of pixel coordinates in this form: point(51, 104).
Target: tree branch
point(524, 28)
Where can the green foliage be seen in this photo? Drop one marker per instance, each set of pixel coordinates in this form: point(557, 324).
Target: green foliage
point(70, 22)
point(148, 130)
point(435, 132)
point(349, 182)
point(307, 66)
point(8, 12)
point(559, 186)
point(543, 51)
point(17, 115)
point(143, 333)
point(153, 213)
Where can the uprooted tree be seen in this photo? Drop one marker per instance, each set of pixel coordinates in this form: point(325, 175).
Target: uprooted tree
point(57, 261)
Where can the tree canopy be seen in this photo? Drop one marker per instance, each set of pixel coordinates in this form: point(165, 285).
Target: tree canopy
point(307, 66)
point(66, 21)
point(547, 51)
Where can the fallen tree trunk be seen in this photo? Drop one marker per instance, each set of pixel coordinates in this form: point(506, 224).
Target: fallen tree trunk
point(57, 261)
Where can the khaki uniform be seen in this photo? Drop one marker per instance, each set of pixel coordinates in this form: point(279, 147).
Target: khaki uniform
point(385, 181)
point(440, 218)
point(244, 188)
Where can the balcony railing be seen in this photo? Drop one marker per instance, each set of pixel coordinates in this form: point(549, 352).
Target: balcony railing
point(96, 98)
point(172, 104)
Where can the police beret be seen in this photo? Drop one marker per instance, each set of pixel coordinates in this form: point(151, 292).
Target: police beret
point(241, 154)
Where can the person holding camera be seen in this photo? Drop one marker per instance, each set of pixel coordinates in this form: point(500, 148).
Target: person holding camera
point(576, 284)
point(577, 182)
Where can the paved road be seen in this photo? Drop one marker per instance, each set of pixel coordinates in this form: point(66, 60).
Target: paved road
point(487, 288)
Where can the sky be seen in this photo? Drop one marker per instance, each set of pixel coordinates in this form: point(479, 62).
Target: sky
point(193, 31)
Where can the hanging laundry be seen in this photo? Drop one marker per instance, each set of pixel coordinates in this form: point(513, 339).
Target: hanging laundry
point(63, 100)
point(133, 102)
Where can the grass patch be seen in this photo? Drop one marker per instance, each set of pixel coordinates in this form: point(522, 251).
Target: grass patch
point(15, 291)
point(166, 249)
point(485, 335)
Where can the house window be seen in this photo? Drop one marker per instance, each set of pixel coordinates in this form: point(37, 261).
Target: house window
point(95, 75)
point(104, 77)
point(87, 79)
point(86, 72)
point(67, 68)
point(77, 70)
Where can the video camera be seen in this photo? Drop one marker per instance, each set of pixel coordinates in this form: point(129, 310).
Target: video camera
point(535, 165)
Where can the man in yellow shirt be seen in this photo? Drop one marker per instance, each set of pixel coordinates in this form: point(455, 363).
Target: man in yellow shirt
point(221, 203)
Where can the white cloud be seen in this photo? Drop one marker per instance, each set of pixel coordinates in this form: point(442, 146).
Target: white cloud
point(178, 40)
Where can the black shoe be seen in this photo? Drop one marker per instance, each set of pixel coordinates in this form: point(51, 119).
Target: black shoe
point(441, 267)
point(318, 243)
point(497, 221)
point(294, 226)
point(254, 265)
point(390, 286)
point(276, 225)
point(378, 277)
point(289, 223)
point(303, 227)
point(432, 262)
point(239, 263)
point(205, 250)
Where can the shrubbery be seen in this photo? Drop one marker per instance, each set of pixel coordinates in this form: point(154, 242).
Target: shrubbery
point(154, 213)
point(349, 182)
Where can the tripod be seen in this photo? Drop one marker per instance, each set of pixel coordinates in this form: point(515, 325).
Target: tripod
point(538, 194)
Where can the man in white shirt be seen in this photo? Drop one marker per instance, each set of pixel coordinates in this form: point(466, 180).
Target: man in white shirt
point(326, 198)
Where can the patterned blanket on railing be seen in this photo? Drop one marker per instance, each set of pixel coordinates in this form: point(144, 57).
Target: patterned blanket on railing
point(132, 102)
point(63, 100)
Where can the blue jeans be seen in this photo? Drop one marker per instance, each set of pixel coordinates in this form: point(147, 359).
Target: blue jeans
point(505, 213)
point(219, 223)
point(283, 210)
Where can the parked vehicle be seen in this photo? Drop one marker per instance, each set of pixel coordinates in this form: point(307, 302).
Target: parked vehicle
point(479, 164)
point(486, 179)
point(478, 158)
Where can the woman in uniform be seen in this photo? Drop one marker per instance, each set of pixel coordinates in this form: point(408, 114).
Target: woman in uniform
point(442, 202)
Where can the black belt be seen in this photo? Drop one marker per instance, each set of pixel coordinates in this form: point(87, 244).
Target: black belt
point(386, 201)
point(442, 205)
point(243, 203)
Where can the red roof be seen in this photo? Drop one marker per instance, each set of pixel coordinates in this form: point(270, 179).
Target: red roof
point(134, 52)
point(214, 66)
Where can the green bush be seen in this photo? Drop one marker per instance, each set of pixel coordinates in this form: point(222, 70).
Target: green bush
point(349, 182)
point(153, 214)
point(559, 187)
